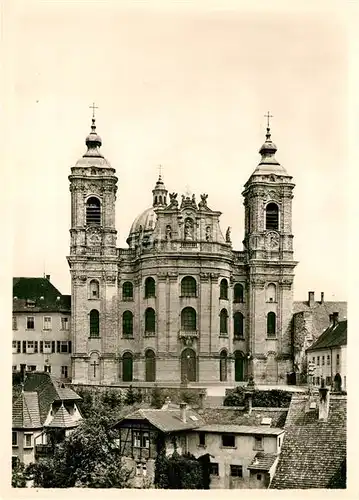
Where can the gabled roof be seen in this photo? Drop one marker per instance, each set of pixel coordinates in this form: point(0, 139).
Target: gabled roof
point(313, 450)
point(26, 412)
point(33, 289)
point(320, 313)
point(263, 430)
point(234, 416)
point(62, 420)
point(334, 336)
point(167, 420)
point(263, 461)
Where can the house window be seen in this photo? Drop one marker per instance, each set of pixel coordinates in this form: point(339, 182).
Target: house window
point(47, 369)
point(141, 439)
point(338, 359)
point(214, 469)
point(94, 289)
point(47, 346)
point(223, 289)
point(28, 440)
point(228, 440)
point(258, 443)
point(328, 380)
point(150, 288)
point(318, 360)
point(238, 293)
point(127, 291)
point(236, 471)
point(202, 438)
point(150, 320)
point(259, 477)
point(31, 368)
point(94, 323)
point(64, 371)
point(14, 438)
point(317, 380)
point(14, 368)
point(328, 360)
point(238, 324)
point(188, 287)
point(271, 324)
point(64, 348)
point(93, 212)
point(127, 324)
point(223, 322)
point(14, 346)
point(30, 347)
point(47, 322)
point(188, 319)
point(64, 323)
point(14, 323)
point(272, 216)
point(323, 360)
point(30, 323)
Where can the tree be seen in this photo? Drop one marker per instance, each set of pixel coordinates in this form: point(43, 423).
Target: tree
point(181, 472)
point(132, 396)
point(18, 479)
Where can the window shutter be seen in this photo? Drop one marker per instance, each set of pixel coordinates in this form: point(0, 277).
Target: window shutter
point(53, 346)
point(18, 346)
point(24, 346)
point(36, 346)
point(58, 346)
point(41, 346)
point(70, 346)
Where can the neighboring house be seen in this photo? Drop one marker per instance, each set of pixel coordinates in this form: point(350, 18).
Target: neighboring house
point(244, 444)
point(43, 405)
point(310, 320)
point(314, 449)
point(41, 327)
point(328, 355)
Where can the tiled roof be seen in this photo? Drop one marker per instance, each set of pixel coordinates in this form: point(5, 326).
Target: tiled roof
point(334, 336)
point(25, 411)
point(33, 289)
point(313, 450)
point(263, 461)
point(241, 429)
point(234, 416)
point(62, 420)
point(320, 313)
point(167, 420)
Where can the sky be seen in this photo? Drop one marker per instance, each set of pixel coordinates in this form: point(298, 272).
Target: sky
point(185, 86)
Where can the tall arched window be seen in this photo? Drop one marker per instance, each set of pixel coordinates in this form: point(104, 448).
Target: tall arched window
point(272, 216)
point(188, 319)
point(223, 363)
point(238, 324)
point(239, 366)
point(127, 324)
point(223, 322)
point(238, 293)
point(188, 365)
point(94, 289)
point(150, 320)
point(271, 324)
point(150, 288)
point(127, 291)
point(94, 323)
point(127, 367)
point(271, 292)
point(93, 211)
point(188, 287)
point(223, 292)
point(150, 362)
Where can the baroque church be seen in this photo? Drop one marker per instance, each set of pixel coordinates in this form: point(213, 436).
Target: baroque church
point(180, 305)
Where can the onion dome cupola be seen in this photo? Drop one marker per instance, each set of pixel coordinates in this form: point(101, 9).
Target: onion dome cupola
point(159, 194)
point(268, 163)
point(93, 156)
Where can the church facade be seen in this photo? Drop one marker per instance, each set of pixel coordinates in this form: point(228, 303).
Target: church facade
point(180, 305)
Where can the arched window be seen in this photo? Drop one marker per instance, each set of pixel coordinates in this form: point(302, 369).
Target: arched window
point(271, 293)
point(239, 366)
point(238, 324)
point(223, 363)
point(188, 365)
point(127, 291)
point(272, 216)
point(127, 367)
point(93, 211)
point(188, 287)
point(150, 320)
point(94, 323)
point(127, 324)
point(238, 293)
point(271, 324)
point(150, 362)
point(223, 322)
point(188, 319)
point(150, 288)
point(94, 289)
point(223, 293)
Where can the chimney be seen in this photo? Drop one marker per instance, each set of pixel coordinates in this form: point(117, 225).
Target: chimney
point(322, 297)
point(183, 413)
point(248, 399)
point(311, 299)
point(330, 319)
point(323, 404)
point(22, 373)
point(48, 277)
point(335, 318)
point(201, 398)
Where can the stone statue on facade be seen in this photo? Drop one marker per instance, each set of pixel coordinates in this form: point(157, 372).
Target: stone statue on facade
point(208, 233)
point(173, 200)
point(228, 235)
point(203, 203)
point(168, 232)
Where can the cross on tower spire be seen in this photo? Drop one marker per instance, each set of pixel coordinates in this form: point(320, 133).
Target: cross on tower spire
point(93, 107)
point(268, 116)
point(159, 170)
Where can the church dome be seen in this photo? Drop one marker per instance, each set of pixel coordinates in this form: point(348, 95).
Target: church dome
point(146, 221)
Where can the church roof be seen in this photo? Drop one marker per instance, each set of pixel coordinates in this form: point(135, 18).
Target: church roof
point(38, 294)
point(334, 336)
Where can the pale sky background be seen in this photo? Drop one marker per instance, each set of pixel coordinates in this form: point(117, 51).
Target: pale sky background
point(184, 86)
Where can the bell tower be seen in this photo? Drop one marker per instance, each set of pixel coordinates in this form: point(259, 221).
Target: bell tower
point(268, 242)
point(93, 264)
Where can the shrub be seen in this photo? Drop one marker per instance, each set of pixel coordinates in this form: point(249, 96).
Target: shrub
point(132, 396)
point(235, 397)
point(157, 397)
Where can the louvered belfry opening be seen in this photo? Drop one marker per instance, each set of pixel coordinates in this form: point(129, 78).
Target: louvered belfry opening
point(272, 216)
point(93, 212)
